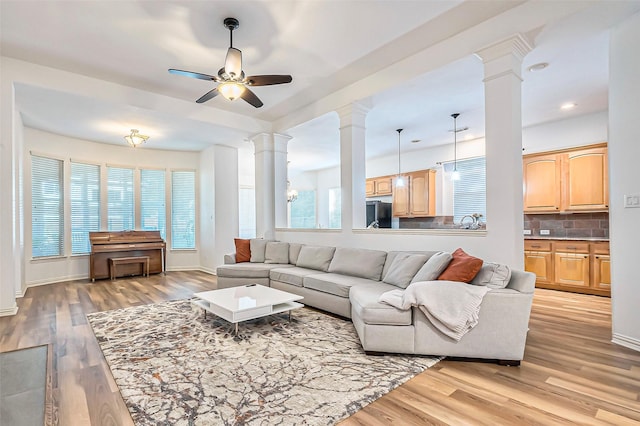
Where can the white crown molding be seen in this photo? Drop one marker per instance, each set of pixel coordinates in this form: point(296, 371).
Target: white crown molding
point(626, 341)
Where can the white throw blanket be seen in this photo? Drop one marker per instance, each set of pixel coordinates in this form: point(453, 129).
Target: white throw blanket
point(451, 306)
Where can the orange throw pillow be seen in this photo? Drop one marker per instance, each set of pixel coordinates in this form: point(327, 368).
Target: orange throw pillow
point(462, 267)
point(243, 250)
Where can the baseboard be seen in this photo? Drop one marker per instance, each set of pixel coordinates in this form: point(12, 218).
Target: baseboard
point(9, 311)
point(20, 293)
point(56, 280)
point(627, 342)
point(191, 268)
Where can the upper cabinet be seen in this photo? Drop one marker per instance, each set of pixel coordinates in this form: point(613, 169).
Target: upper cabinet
point(566, 181)
point(379, 186)
point(416, 198)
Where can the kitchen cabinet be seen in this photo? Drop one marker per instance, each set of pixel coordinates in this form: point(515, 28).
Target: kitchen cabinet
point(379, 186)
point(416, 198)
point(574, 180)
point(577, 266)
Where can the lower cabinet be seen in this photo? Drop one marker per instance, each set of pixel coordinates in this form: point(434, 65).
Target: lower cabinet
point(578, 266)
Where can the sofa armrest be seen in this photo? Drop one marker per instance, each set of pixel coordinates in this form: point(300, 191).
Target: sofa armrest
point(229, 259)
point(522, 281)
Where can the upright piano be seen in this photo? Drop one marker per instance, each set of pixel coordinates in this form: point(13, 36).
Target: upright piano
point(105, 245)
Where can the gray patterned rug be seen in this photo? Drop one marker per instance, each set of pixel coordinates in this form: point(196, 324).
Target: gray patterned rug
point(174, 367)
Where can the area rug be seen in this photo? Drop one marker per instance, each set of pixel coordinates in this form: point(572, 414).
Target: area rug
point(175, 367)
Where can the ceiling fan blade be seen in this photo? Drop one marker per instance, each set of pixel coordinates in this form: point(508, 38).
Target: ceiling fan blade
point(194, 75)
point(251, 97)
point(209, 95)
point(233, 63)
point(267, 80)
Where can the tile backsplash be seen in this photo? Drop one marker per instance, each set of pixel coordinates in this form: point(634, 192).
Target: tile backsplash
point(576, 225)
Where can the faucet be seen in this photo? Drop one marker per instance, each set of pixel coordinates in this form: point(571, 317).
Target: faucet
point(374, 225)
point(475, 221)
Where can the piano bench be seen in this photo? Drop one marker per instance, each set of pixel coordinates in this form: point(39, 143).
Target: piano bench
point(115, 261)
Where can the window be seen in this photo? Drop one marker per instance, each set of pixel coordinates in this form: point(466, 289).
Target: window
point(470, 192)
point(335, 208)
point(183, 210)
point(303, 210)
point(247, 219)
point(152, 201)
point(85, 205)
point(47, 219)
point(120, 199)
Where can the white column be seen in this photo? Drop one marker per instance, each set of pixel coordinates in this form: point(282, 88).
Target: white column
point(226, 201)
point(265, 185)
point(503, 146)
point(352, 165)
point(280, 176)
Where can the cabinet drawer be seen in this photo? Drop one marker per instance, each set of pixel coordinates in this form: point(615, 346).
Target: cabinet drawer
point(571, 247)
point(537, 245)
point(600, 247)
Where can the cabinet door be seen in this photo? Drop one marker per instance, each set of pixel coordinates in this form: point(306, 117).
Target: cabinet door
point(587, 183)
point(542, 190)
point(601, 267)
point(541, 264)
point(370, 188)
point(400, 201)
point(384, 186)
point(571, 269)
point(422, 194)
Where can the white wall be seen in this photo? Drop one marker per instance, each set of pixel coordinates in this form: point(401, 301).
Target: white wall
point(582, 130)
point(42, 271)
point(624, 152)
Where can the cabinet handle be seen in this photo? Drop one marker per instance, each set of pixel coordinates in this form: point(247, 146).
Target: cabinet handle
point(597, 257)
point(535, 246)
point(557, 208)
point(572, 248)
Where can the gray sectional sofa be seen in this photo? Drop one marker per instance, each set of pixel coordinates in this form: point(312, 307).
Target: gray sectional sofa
point(349, 282)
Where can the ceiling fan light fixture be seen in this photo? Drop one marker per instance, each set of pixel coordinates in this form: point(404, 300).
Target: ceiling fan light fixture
point(233, 63)
point(231, 90)
point(135, 138)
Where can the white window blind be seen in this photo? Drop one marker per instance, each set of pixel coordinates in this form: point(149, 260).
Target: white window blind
point(120, 199)
point(303, 210)
point(335, 208)
point(183, 210)
point(47, 211)
point(152, 201)
point(247, 213)
point(470, 192)
point(85, 205)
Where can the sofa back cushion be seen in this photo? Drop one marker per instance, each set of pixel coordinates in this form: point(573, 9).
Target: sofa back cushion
point(294, 252)
point(258, 247)
point(432, 269)
point(493, 275)
point(358, 262)
point(315, 257)
point(243, 250)
point(463, 267)
point(392, 255)
point(403, 268)
point(276, 252)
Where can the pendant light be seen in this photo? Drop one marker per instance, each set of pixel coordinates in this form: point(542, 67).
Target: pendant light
point(399, 178)
point(455, 175)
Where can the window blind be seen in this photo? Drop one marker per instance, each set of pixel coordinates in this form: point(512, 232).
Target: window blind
point(247, 213)
point(85, 205)
point(153, 201)
point(303, 210)
point(470, 192)
point(335, 208)
point(183, 210)
point(120, 213)
point(47, 207)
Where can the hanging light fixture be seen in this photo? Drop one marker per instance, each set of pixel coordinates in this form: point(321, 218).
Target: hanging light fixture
point(399, 178)
point(455, 175)
point(135, 138)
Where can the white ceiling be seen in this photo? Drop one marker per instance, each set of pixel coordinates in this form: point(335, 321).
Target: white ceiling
point(320, 43)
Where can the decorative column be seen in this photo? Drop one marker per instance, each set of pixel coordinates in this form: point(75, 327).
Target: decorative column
point(280, 173)
point(265, 188)
point(352, 165)
point(503, 145)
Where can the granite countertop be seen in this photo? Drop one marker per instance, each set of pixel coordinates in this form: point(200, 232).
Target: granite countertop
point(549, 237)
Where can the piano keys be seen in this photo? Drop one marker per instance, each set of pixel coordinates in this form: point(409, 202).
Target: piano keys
point(105, 245)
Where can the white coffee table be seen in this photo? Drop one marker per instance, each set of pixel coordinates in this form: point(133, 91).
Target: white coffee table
point(247, 302)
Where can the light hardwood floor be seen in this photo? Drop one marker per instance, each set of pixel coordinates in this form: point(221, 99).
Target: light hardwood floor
point(572, 373)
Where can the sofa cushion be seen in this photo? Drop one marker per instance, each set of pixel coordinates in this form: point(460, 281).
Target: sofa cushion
point(403, 268)
point(243, 250)
point(292, 275)
point(248, 270)
point(391, 256)
point(294, 252)
point(493, 275)
point(356, 262)
point(276, 252)
point(432, 269)
point(315, 257)
point(258, 246)
point(335, 284)
point(364, 303)
point(463, 267)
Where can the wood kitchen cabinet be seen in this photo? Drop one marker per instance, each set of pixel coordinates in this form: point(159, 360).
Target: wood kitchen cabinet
point(574, 180)
point(416, 198)
point(538, 259)
point(601, 266)
point(571, 263)
point(400, 203)
point(379, 186)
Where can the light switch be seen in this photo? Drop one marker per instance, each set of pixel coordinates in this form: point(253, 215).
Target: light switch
point(632, 201)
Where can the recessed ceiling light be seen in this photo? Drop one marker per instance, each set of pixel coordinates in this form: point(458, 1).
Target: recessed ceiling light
point(415, 141)
point(568, 105)
point(538, 67)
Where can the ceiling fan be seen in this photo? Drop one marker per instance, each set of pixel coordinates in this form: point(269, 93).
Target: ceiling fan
point(231, 78)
